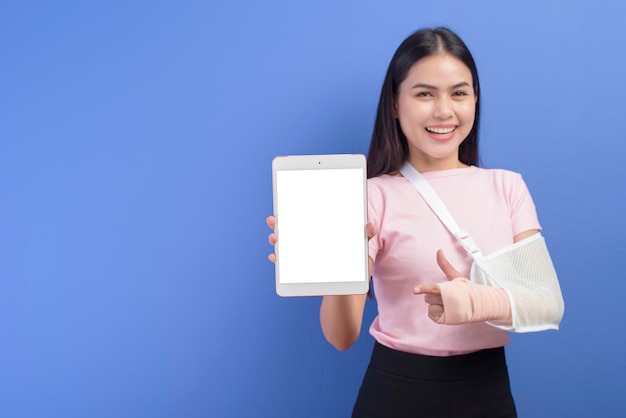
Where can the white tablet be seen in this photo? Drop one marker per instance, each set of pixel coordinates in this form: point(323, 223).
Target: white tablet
point(320, 204)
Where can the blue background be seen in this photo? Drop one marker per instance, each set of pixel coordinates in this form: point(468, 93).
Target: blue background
point(136, 140)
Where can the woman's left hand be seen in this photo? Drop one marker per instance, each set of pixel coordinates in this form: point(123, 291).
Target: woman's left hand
point(459, 301)
point(432, 291)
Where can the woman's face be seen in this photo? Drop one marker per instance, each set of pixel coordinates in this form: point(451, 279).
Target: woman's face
point(436, 107)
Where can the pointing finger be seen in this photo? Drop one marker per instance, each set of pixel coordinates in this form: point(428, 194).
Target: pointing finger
point(431, 289)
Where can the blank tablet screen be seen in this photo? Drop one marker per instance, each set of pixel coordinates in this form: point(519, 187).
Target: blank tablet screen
point(320, 222)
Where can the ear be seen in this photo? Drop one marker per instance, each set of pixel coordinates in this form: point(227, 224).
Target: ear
point(395, 109)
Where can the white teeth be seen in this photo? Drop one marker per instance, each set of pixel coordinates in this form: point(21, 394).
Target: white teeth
point(440, 130)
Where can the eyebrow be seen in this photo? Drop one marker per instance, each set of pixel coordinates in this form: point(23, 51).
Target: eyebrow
point(428, 86)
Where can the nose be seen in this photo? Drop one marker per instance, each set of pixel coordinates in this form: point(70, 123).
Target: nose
point(443, 108)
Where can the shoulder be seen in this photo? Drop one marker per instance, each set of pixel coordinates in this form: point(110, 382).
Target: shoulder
point(385, 182)
point(511, 186)
point(386, 188)
point(497, 173)
point(503, 179)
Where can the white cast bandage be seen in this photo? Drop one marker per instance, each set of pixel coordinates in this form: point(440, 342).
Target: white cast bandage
point(465, 302)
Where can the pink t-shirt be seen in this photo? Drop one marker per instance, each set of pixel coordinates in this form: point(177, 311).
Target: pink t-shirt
point(492, 205)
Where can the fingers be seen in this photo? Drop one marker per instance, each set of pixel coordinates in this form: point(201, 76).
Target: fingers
point(432, 291)
point(433, 288)
point(370, 229)
point(432, 296)
point(436, 313)
point(446, 267)
point(272, 237)
point(433, 299)
point(427, 289)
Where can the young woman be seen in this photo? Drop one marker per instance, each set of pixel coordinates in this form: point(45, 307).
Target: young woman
point(433, 356)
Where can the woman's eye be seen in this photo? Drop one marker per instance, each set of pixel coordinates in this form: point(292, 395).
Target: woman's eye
point(423, 94)
point(459, 93)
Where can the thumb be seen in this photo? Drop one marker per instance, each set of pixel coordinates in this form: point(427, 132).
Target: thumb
point(370, 230)
point(446, 267)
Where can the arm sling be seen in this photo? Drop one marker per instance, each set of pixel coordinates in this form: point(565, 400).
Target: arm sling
point(524, 269)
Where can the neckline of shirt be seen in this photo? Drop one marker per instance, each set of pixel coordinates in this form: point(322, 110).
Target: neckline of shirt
point(450, 172)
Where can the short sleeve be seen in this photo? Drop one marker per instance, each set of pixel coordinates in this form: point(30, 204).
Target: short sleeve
point(523, 212)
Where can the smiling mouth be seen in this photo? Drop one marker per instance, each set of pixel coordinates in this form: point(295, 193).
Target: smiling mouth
point(441, 131)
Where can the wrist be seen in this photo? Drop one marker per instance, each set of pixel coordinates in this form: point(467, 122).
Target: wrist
point(466, 302)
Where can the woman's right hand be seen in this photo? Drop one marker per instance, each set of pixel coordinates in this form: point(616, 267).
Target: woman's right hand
point(340, 316)
point(272, 237)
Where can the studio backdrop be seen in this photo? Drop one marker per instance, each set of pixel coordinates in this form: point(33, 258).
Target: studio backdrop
point(136, 141)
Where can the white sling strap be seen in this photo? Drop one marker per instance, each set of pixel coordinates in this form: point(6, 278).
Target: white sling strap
point(434, 201)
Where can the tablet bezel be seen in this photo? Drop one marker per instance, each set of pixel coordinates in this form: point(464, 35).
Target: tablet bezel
point(321, 162)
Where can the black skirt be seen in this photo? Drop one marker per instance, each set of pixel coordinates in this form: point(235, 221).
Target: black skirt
point(399, 385)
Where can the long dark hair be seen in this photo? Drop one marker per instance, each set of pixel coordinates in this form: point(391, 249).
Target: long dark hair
point(389, 147)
